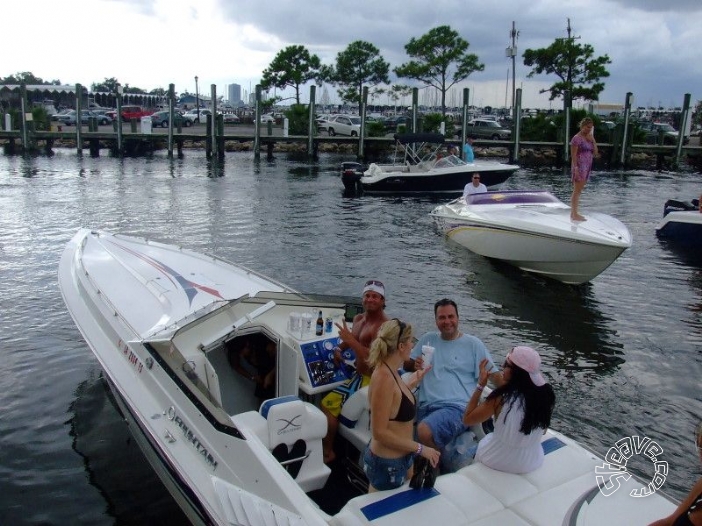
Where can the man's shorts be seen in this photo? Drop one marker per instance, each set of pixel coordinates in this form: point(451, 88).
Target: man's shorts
point(444, 420)
point(335, 399)
point(386, 473)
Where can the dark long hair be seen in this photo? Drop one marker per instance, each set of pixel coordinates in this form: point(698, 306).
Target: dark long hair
point(538, 402)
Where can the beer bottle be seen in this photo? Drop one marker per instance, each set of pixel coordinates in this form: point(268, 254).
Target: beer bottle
point(320, 324)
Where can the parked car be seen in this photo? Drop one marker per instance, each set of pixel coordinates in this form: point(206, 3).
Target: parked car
point(654, 130)
point(267, 117)
point(71, 116)
point(160, 118)
point(130, 112)
point(57, 116)
point(196, 116)
point(486, 129)
point(344, 125)
point(230, 117)
point(322, 121)
point(391, 123)
point(102, 117)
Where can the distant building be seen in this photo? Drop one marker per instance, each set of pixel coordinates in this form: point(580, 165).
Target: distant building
point(605, 110)
point(234, 94)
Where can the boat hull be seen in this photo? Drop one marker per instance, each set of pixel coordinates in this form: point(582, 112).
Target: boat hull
point(537, 238)
point(682, 232)
point(572, 262)
point(437, 181)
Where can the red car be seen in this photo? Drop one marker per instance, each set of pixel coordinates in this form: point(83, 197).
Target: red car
point(134, 112)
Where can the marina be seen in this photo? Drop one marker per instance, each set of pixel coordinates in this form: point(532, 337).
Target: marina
point(622, 352)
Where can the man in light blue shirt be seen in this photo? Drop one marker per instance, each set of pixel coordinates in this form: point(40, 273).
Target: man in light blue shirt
point(447, 387)
point(468, 155)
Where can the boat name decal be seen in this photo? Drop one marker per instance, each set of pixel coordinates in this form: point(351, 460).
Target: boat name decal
point(192, 438)
point(290, 425)
point(130, 356)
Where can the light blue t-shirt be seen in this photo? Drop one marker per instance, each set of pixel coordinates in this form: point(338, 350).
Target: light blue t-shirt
point(455, 368)
point(468, 155)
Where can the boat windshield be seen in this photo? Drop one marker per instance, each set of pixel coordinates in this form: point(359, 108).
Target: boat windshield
point(516, 197)
point(450, 161)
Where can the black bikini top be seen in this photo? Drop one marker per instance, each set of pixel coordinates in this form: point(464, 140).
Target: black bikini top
point(408, 408)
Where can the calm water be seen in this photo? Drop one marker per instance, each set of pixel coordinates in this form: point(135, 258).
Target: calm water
point(623, 353)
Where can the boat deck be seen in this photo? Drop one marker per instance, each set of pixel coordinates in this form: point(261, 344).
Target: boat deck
point(561, 492)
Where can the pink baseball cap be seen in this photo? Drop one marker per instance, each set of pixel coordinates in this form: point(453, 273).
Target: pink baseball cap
point(528, 359)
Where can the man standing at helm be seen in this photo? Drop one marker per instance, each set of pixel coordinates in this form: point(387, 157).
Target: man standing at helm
point(358, 338)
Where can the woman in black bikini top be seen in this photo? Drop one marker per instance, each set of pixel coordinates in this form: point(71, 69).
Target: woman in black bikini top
point(389, 456)
point(408, 408)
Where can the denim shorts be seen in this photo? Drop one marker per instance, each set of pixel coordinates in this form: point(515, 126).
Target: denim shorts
point(444, 420)
point(386, 473)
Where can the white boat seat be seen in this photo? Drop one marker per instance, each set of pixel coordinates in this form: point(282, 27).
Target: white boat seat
point(354, 419)
point(293, 433)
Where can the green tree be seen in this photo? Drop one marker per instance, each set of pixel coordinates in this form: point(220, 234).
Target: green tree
point(441, 59)
point(574, 64)
point(359, 64)
point(27, 77)
point(292, 67)
point(107, 85)
point(161, 92)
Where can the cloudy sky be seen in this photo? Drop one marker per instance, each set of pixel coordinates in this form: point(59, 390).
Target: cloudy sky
point(655, 45)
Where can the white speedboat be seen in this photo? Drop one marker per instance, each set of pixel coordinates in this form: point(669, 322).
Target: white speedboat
point(161, 320)
point(419, 168)
point(532, 230)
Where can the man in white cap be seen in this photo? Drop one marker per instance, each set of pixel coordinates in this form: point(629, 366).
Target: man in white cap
point(358, 338)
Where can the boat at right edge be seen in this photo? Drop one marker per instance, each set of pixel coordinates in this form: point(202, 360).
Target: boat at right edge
point(532, 230)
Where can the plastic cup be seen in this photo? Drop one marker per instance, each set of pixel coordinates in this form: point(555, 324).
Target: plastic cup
point(427, 354)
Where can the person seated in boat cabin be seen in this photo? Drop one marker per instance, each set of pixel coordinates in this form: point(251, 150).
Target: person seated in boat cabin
point(521, 409)
point(689, 512)
point(253, 357)
point(358, 338)
point(474, 187)
point(452, 150)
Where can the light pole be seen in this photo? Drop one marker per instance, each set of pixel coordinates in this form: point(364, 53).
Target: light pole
point(197, 100)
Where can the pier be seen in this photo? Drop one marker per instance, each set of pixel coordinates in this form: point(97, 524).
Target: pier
point(141, 139)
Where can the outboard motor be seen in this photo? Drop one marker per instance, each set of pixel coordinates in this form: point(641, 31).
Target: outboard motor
point(351, 173)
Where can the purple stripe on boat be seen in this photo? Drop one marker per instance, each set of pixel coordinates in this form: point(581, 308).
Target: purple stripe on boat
point(512, 197)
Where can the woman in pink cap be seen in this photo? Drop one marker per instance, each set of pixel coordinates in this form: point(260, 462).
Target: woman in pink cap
point(521, 408)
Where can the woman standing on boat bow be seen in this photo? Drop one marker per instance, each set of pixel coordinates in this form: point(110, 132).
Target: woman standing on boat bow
point(388, 459)
point(582, 150)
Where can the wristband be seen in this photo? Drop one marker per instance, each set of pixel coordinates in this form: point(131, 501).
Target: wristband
point(419, 449)
point(479, 387)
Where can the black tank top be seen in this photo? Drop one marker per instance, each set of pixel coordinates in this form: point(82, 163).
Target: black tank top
point(408, 408)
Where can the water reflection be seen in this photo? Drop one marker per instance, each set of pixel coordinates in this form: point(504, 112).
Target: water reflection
point(114, 463)
point(561, 317)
